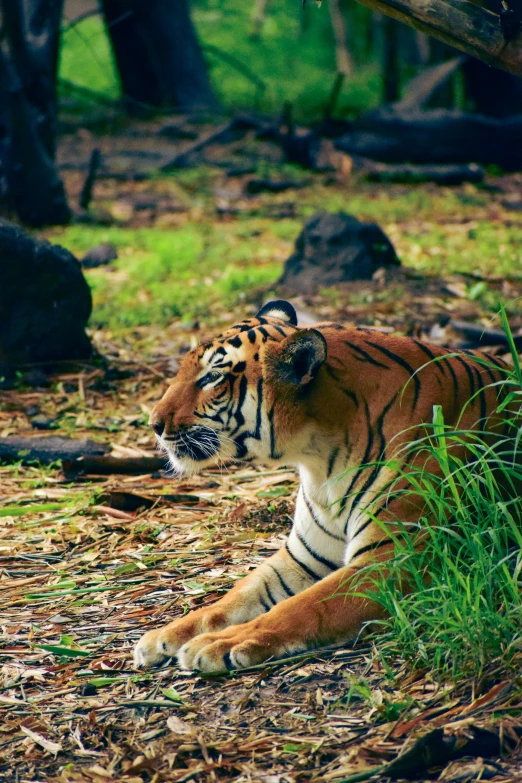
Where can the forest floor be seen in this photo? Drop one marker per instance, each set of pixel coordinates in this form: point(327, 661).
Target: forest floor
point(87, 564)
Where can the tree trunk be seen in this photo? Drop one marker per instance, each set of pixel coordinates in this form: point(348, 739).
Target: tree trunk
point(158, 55)
point(343, 57)
point(28, 111)
point(33, 32)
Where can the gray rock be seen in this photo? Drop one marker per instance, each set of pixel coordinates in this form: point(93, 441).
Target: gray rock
point(334, 248)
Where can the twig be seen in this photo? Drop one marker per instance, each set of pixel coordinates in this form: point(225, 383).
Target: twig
point(90, 179)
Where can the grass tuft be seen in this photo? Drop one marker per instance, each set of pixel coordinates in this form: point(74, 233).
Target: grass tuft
point(463, 608)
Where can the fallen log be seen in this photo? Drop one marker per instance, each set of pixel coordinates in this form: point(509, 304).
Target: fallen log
point(479, 336)
point(48, 449)
point(255, 186)
point(437, 136)
point(413, 174)
point(106, 466)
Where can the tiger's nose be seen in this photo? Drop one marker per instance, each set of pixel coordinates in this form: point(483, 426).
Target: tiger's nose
point(158, 425)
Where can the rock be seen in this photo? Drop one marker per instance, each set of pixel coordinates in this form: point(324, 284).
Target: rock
point(45, 301)
point(42, 422)
point(36, 378)
point(334, 248)
point(99, 255)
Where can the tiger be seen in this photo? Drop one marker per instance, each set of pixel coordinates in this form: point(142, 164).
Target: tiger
point(335, 402)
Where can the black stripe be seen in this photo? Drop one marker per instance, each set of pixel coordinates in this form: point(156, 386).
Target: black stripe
point(214, 417)
point(332, 373)
point(305, 568)
point(366, 355)
point(454, 378)
point(314, 518)
point(331, 461)
point(269, 594)
point(235, 342)
point(251, 336)
point(273, 453)
point(238, 415)
point(320, 559)
point(257, 434)
point(220, 365)
point(352, 395)
point(499, 362)
point(264, 604)
point(425, 349)
point(381, 454)
point(482, 396)
point(365, 459)
point(375, 545)
point(279, 329)
point(265, 334)
point(290, 593)
point(492, 377)
point(469, 374)
point(227, 660)
point(403, 363)
point(363, 527)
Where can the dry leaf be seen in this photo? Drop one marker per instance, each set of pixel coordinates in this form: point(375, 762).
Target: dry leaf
point(39, 739)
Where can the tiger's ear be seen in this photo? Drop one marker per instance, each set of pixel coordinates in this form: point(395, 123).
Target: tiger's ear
point(300, 357)
point(279, 309)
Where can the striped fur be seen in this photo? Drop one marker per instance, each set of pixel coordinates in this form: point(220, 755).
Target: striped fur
point(334, 402)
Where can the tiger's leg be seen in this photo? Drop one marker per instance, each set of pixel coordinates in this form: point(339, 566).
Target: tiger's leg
point(322, 614)
point(280, 577)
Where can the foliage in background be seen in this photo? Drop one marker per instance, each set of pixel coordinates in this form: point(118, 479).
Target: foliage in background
point(293, 60)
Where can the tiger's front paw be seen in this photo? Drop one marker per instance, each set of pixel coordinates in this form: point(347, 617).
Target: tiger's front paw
point(234, 648)
point(163, 643)
point(151, 650)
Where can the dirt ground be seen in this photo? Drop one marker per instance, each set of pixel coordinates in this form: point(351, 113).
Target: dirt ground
point(87, 565)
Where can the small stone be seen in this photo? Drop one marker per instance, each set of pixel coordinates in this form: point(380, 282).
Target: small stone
point(87, 690)
point(99, 255)
point(36, 378)
point(32, 410)
point(42, 422)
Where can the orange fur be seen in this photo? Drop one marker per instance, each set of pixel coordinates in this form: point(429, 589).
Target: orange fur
point(333, 401)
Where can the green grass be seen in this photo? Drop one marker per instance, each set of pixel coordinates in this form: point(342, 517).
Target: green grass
point(206, 264)
point(175, 274)
point(294, 59)
point(464, 611)
point(86, 58)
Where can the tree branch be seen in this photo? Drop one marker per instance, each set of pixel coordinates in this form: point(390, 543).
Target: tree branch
point(460, 23)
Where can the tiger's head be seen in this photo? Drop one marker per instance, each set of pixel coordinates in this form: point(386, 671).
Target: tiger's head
point(244, 395)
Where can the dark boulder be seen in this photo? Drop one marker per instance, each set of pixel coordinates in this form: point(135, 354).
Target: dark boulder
point(45, 302)
point(335, 248)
